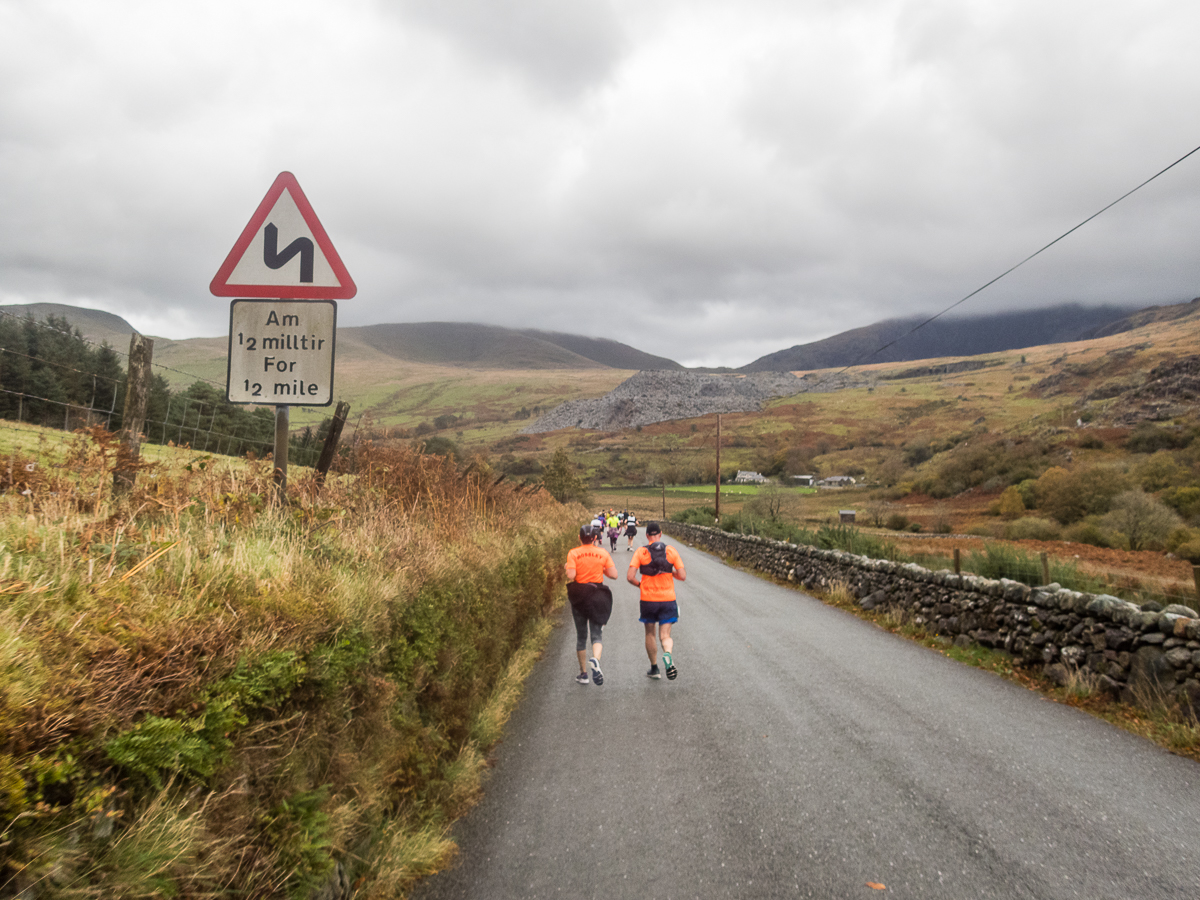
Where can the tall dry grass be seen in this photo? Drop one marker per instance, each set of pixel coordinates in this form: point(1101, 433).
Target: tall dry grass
point(204, 689)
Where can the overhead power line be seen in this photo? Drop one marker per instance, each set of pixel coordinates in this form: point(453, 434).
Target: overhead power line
point(1011, 269)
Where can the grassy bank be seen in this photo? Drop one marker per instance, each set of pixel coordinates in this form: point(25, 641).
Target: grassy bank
point(203, 692)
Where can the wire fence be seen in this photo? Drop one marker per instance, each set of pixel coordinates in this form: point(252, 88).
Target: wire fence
point(194, 428)
point(71, 397)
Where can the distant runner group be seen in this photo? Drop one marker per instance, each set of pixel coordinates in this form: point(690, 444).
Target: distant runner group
point(614, 524)
point(654, 569)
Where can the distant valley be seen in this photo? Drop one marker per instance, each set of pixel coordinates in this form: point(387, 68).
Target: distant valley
point(491, 381)
point(923, 430)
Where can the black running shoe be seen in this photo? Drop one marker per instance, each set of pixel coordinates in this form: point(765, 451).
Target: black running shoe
point(669, 665)
point(654, 673)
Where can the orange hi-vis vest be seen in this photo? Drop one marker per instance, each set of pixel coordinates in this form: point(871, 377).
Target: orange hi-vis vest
point(589, 563)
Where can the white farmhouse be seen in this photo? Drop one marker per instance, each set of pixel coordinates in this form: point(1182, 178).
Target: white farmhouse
point(749, 478)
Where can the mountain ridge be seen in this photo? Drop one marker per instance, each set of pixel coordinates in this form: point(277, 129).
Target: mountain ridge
point(479, 346)
point(971, 336)
point(464, 344)
point(611, 353)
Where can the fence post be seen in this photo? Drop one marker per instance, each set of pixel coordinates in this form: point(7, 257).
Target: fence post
point(957, 561)
point(331, 440)
point(137, 396)
point(1196, 578)
point(1045, 568)
point(281, 450)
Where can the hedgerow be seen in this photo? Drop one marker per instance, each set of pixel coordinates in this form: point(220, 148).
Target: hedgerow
point(205, 692)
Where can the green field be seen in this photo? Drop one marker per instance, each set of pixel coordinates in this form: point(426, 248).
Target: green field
point(649, 502)
point(745, 490)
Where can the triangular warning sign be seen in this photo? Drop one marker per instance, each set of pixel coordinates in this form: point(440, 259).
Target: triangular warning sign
point(284, 252)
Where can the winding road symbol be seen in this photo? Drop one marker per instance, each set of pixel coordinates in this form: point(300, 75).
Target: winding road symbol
point(301, 246)
point(307, 268)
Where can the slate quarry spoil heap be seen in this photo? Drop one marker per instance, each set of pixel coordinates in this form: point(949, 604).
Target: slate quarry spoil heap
point(661, 396)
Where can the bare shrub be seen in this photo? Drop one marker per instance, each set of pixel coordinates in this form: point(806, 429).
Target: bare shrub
point(769, 502)
point(875, 509)
point(1144, 520)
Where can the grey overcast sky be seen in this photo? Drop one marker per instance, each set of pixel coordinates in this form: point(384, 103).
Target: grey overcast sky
point(709, 180)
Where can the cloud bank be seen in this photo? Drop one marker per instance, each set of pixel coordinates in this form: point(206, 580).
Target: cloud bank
point(709, 181)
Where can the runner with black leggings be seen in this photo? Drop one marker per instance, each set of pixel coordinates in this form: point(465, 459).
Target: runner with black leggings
point(591, 600)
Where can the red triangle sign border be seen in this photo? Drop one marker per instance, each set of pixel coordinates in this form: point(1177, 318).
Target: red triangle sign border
point(343, 290)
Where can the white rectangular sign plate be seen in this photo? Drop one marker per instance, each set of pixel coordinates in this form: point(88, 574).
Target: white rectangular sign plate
point(281, 352)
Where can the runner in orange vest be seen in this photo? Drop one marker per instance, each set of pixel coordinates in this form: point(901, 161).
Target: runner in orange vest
point(591, 600)
point(659, 567)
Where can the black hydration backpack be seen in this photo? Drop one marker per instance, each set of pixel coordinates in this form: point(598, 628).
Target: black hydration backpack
point(658, 564)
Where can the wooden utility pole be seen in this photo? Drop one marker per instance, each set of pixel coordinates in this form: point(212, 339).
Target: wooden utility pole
point(718, 504)
point(137, 397)
point(331, 440)
point(664, 499)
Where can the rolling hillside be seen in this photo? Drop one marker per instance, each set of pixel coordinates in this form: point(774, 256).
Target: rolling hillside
point(494, 347)
point(968, 336)
point(494, 381)
point(605, 351)
point(1145, 317)
point(466, 344)
point(452, 344)
point(95, 325)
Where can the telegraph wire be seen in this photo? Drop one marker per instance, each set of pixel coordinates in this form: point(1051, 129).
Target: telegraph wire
point(1007, 271)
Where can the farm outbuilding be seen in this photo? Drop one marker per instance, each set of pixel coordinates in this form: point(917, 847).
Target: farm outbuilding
point(838, 481)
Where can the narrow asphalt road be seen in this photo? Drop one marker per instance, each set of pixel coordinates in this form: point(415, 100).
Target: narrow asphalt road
point(804, 753)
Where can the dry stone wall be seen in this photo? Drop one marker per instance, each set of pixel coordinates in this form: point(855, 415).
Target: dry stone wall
point(1132, 651)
